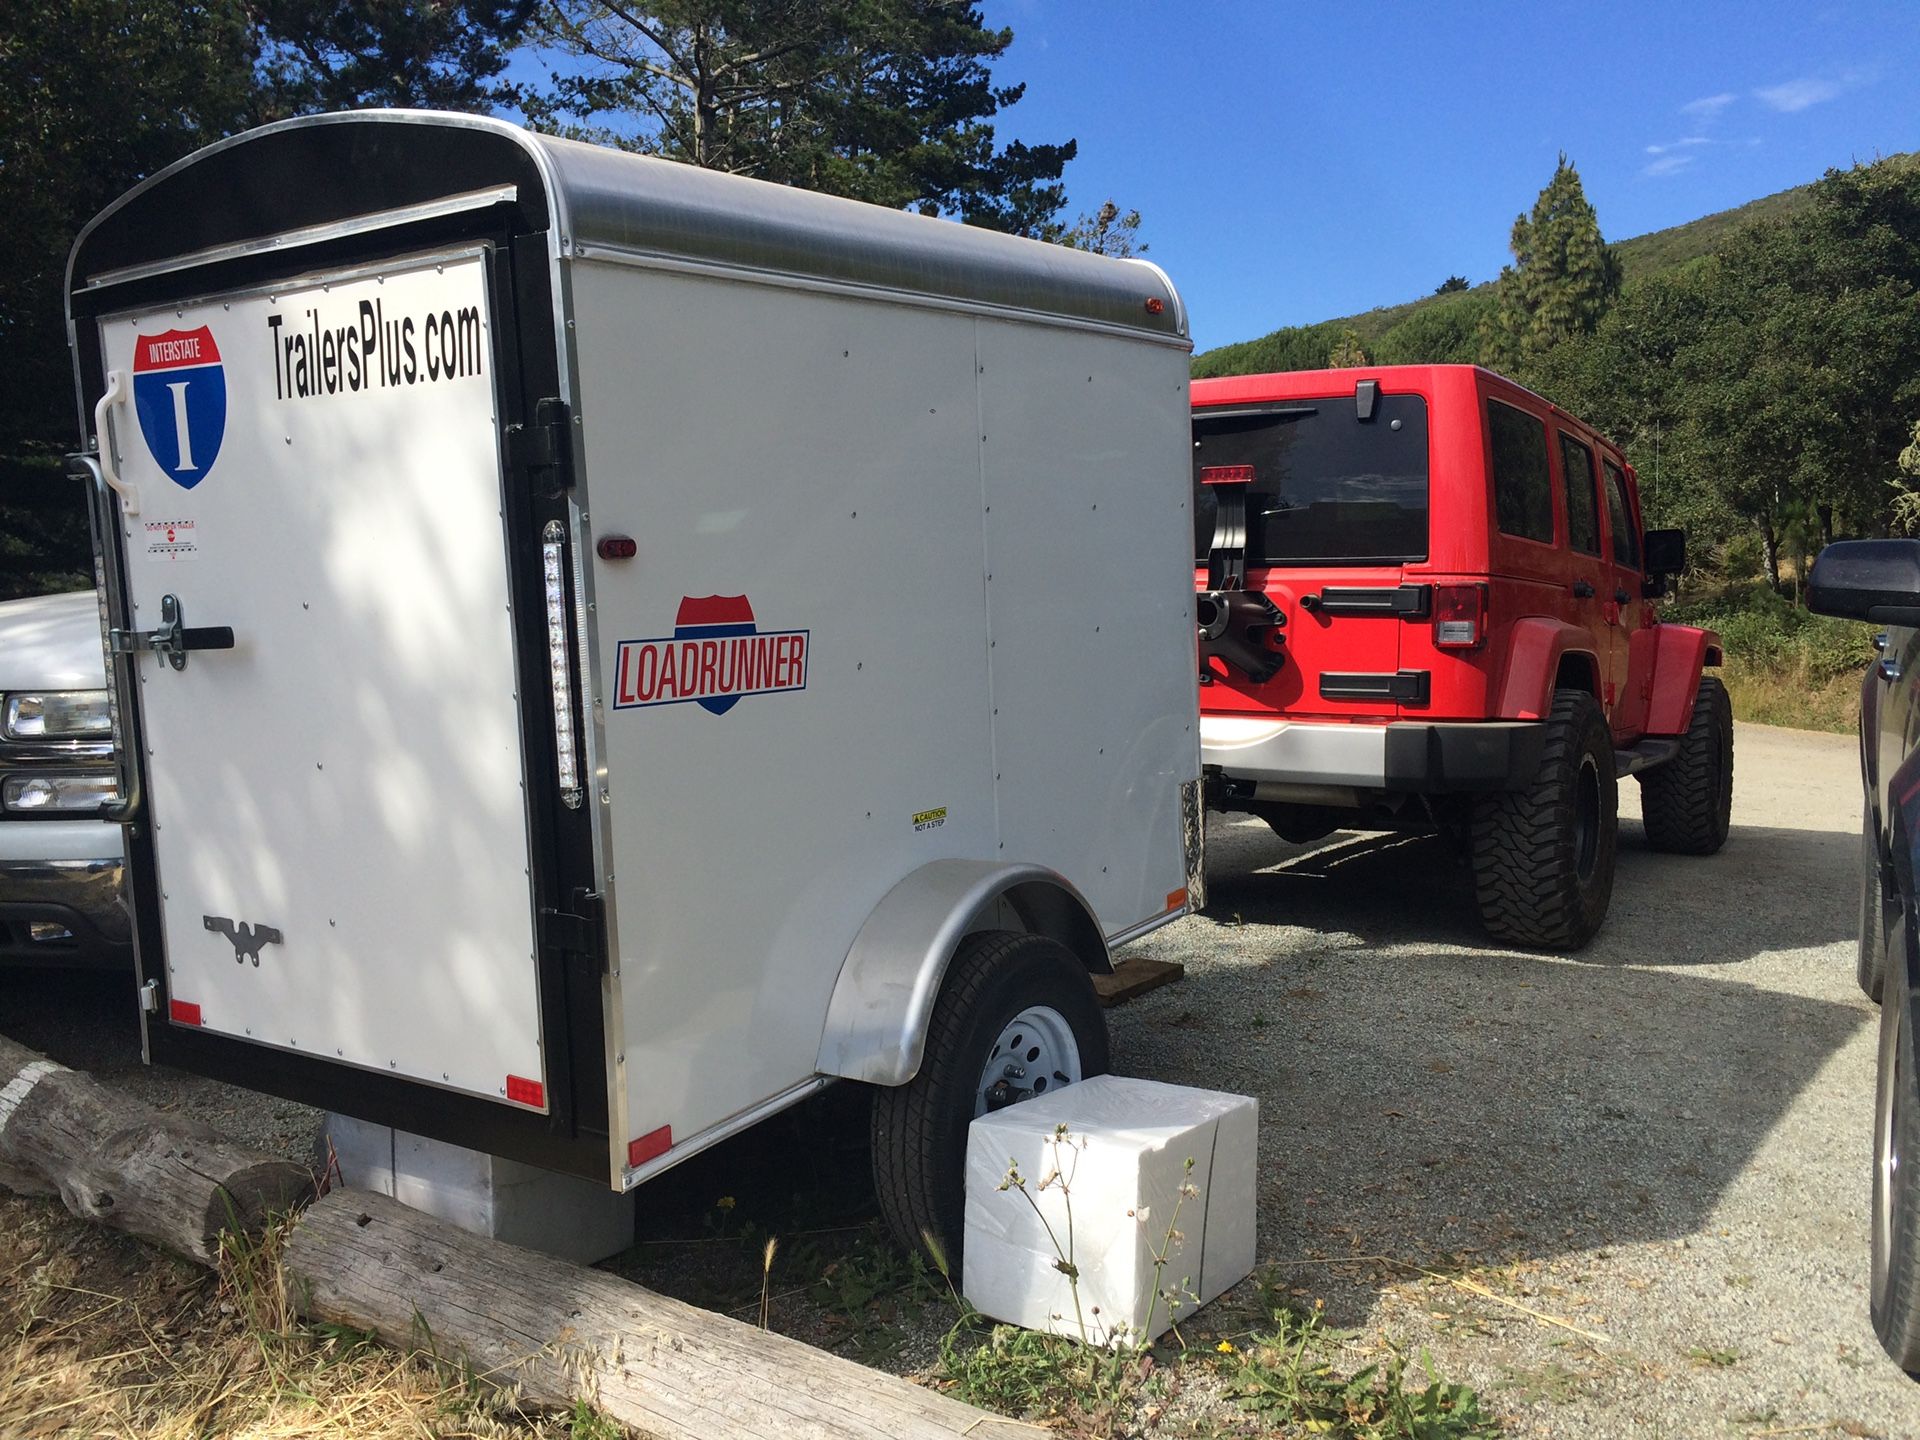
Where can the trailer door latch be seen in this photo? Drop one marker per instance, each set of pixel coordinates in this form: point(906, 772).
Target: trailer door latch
point(578, 928)
point(173, 639)
point(543, 447)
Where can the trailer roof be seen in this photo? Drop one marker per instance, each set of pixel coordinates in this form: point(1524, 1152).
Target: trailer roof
point(304, 178)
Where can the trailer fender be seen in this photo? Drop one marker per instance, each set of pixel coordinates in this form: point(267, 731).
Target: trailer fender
point(876, 1027)
point(1536, 647)
point(1680, 652)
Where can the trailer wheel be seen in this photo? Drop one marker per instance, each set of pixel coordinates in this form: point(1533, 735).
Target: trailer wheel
point(1688, 801)
point(1543, 855)
point(1016, 1018)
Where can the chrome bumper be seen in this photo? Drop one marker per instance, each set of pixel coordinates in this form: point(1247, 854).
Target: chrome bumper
point(64, 911)
point(1349, 764)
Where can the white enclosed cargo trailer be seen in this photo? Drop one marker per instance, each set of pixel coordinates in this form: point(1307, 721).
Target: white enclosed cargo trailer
point(605, 648)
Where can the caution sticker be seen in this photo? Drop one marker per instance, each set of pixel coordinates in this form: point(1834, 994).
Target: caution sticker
point(171, 540)
point(930, 819)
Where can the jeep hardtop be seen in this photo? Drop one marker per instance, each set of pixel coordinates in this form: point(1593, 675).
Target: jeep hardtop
point(1426, 600)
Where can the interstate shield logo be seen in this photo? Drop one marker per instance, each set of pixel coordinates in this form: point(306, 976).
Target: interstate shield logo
point(180, 395)
point(716, 657)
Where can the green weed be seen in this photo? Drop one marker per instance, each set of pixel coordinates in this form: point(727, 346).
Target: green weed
point(1288, 1374)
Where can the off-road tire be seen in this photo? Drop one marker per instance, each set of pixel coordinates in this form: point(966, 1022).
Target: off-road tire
point(1894, 1287)
point(1872, 963)
point(1687, 802)
point(920, 1128)
point(1543, 855)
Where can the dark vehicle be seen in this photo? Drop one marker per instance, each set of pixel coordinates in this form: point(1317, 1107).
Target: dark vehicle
point(1879, 581)
point(1426, 598)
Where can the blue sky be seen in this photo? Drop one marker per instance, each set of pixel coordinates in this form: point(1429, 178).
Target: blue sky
point(1296, 162)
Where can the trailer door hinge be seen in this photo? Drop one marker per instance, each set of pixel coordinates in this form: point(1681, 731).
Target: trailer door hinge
point(543, 447)
point(150, 997)
point(580, 928)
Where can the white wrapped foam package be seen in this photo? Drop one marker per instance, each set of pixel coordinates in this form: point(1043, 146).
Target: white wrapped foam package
point(1121, 1161)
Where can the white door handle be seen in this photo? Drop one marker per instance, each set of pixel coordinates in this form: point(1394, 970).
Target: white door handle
point(115, 392)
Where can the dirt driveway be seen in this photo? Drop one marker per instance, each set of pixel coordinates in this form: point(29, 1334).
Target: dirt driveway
point(1658, 1147)
point(1662, 1140)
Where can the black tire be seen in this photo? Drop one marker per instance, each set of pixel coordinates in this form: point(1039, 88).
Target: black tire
point(1688, 801)
point(1895, 1242)
point(1543, 855)
point(920, 1128)
point(1872, 964)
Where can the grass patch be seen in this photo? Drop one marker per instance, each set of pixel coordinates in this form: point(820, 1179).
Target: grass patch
point(1784, 665)
point(106, 1336)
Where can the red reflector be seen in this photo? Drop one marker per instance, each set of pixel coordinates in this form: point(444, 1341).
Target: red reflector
point(1225, 474)
point(1459, 616)
point(649, 1145)
point(1176, 898)
point(525, 1092)
point(617, 547)
point(1155, 304)
point(183, 1013)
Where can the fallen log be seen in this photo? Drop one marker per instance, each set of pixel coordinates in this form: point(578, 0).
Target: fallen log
point(166, 1178)
point(561, 1333)
point(557, 1332)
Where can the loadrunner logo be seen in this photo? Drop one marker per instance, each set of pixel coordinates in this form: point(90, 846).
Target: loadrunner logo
point(180, 395)
point(715, 657)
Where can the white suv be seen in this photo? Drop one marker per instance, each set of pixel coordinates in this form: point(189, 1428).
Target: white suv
point(60, 880)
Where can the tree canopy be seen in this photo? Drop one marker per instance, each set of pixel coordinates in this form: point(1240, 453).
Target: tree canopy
point(889, 101)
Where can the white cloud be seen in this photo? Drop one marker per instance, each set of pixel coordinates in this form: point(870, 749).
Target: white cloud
point(1707, 106)
point(1686, 143)
point(1669, 164)
point(1792, 96)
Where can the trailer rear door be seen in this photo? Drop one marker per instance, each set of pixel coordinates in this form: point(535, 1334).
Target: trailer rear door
point(338, 800)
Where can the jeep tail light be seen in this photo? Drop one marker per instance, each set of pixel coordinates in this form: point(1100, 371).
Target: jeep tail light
point(1459, 616)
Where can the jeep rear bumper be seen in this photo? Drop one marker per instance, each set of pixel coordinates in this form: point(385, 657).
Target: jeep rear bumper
point(1352, 764)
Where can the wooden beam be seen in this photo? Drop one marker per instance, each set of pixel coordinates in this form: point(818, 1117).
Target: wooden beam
point(557, 1332)
point(1135, 976)
point(561, 1333)
point(163, 1177)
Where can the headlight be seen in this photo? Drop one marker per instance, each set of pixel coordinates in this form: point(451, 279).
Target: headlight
point(59, 715)
point(57, 792)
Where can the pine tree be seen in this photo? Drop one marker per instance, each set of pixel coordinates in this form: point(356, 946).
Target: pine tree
point(888, 101)
point(343, 54)
point(1563, 279)
point(1107, 232)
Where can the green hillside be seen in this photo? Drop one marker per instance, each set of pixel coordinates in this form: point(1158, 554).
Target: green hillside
point(1443, 326)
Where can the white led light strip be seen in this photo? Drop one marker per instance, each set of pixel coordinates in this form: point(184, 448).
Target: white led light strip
point(553, 576)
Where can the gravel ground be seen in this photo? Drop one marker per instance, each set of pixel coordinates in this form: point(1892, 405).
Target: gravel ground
point(1661, 1142)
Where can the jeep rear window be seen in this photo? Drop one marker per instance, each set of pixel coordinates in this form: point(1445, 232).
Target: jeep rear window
point(1522, 484)
point(1327, 486)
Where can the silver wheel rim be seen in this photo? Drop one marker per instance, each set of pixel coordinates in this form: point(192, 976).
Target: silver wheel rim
point(1036, 1053)
point(1886, 1143)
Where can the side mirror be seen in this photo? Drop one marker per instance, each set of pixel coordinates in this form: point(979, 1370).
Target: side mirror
point(1665, 552)
point(1872, 580)
point(1663, 556)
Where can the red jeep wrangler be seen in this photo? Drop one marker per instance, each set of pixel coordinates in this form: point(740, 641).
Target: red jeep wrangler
point(1424, 603)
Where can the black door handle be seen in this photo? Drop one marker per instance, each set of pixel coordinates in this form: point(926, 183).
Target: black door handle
point(1582, 590)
